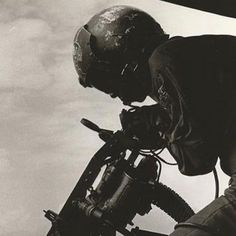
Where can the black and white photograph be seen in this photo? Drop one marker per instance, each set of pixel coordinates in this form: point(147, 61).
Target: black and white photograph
point(118, 117)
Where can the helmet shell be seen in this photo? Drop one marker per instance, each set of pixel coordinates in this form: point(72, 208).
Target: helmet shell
point(112, 45)
point(122, 32)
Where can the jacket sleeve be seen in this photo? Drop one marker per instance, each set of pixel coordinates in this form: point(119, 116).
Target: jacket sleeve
point(194, 150)
point(186, 140)
point(194, 154)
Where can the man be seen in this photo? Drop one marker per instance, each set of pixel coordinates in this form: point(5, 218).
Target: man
point(125, 53)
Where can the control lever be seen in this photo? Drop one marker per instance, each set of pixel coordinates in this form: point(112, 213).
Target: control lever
point(104, 134)
point(89, 124)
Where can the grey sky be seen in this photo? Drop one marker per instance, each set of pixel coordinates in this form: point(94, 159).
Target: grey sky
point(43, 147)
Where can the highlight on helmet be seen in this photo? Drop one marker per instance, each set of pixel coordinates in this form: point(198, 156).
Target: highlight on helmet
point(115, 40)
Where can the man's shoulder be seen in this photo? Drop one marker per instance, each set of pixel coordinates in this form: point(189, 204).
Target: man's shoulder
point(197, 39)
point(180, 48)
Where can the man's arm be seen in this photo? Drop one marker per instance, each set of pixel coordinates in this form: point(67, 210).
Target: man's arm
point(194, 149)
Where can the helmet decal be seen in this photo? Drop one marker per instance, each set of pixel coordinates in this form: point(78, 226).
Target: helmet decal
point(108, 35)
point(111, 14)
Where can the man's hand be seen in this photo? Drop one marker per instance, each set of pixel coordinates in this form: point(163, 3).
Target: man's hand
point(147, 123)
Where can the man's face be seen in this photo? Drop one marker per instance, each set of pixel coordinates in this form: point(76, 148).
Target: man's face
point(128, 90)
point(107, 75)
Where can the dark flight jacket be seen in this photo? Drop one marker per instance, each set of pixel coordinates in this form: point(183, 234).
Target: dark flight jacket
point(194, 81)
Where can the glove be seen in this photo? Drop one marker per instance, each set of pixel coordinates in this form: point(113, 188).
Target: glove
point(147, 124)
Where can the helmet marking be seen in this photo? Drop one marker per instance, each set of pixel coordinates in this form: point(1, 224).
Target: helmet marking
point(111, 15)
point(108, 35)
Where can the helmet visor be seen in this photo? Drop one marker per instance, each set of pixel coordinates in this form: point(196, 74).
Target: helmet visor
point(83, 56)
point(92, 71)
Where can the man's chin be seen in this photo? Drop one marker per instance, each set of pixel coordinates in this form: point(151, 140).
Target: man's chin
point(128, 102)
point(141, 99)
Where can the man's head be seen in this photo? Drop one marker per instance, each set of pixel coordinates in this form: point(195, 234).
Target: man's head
point(111, 52)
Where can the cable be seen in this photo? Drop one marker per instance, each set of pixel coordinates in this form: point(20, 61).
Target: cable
point(145, 151)
point(132, 107)
point(159, 152)
point(161, 159)
point(160, 169)
point(216, 183)
point(158, 159)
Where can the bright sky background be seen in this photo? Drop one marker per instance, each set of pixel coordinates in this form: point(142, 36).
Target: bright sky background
point(43, 147)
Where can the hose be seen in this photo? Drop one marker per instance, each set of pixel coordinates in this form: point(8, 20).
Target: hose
point(170, 202)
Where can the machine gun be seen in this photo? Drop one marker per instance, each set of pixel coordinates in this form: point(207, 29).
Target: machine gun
point(129, 186)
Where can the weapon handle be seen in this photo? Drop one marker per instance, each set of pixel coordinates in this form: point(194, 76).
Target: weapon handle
point(89, 124)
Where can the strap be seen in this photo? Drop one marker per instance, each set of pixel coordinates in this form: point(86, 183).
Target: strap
point(198, 226)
